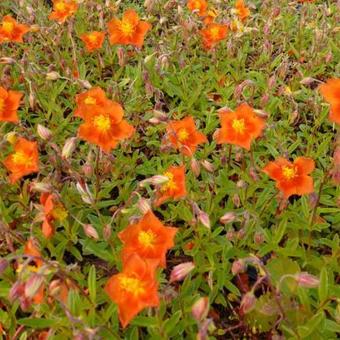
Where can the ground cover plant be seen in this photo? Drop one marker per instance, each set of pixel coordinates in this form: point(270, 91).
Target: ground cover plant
point(169, 169)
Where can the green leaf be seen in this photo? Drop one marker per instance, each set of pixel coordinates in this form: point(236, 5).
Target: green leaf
point(172, 322)
point(323, 287)
point(37, 323)
point(91, 280)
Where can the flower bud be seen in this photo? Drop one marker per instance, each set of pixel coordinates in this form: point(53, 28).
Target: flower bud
point(155, 180)
point(85, 193)
point(207, 166)
point(307, 280)
point(180, 271)
point(121, 56)
point(69, 147)
point(90, 231)
point(87, 169)
point(203, 217)
point(200, 309)
point(230, 235)
point(195, 167)
point(52, 75)
point(54, 288)
point(16, 291)
point(40, 187)
point(236, 200)
point(3, 265)
point(154, 120)
point(7, 60)
point(258, 238)
point(107, 232)
point(32, 285)
point(239, 266)
point(228, 217)
point(247, 303)
point(85, 83)
point(43, 132)
point(143, 206)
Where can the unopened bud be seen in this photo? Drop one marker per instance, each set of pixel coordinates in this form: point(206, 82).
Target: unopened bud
point(107, 232)
point(69, 147)
point(40, 187)
point(52, 75)
point(143, 206)
point(90, 231)
point(154, 120)
point(43, 132)
point(155, 180)
point(85, 83)
point(32, 285)
point(180, 271)
point(248, 303)
point(16, 291)
point(258, 238)
point(200, 309)
point(121, 56)
point(230, 235)
point(238, 266)
point(241, 184)
point(236, 200)
point(307, 280)
point(3, 265)
point(195, 167)
point(7, 60)
point(85, 193)
point(228, 217)
point(203, 217)
point(207, 166)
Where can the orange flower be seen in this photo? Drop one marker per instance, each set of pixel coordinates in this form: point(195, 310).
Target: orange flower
point(52, 211)
point(183, 135)
point(200, 6)
point(133, 289)
point(93, 40)
point(128, 31)
point(175, 187)
point(23, 161)
point(91, 100)
point(148, 238)
point(292, 178)
point(331, 92)
point(30, 249)
point(10, 30)
point(241, 10)
point(240, 127)
point(62, 9)
point(212, 34)
point(9, 103)
point(105, 126)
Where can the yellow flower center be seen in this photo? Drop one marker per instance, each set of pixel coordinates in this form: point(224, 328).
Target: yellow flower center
point(170, 185)
point(238, 125)
point(146, 238)
point(92, 37)
point(102, 123)
point(20, 158)
point(8, 26)
point(131, 285)
point(288, 172)
point(59, 213)
point(60, 6)
point(182, 135)
point(127, 28)
point(2, 104)
point(29, 268)
point(215, 32)
point(90, 100)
